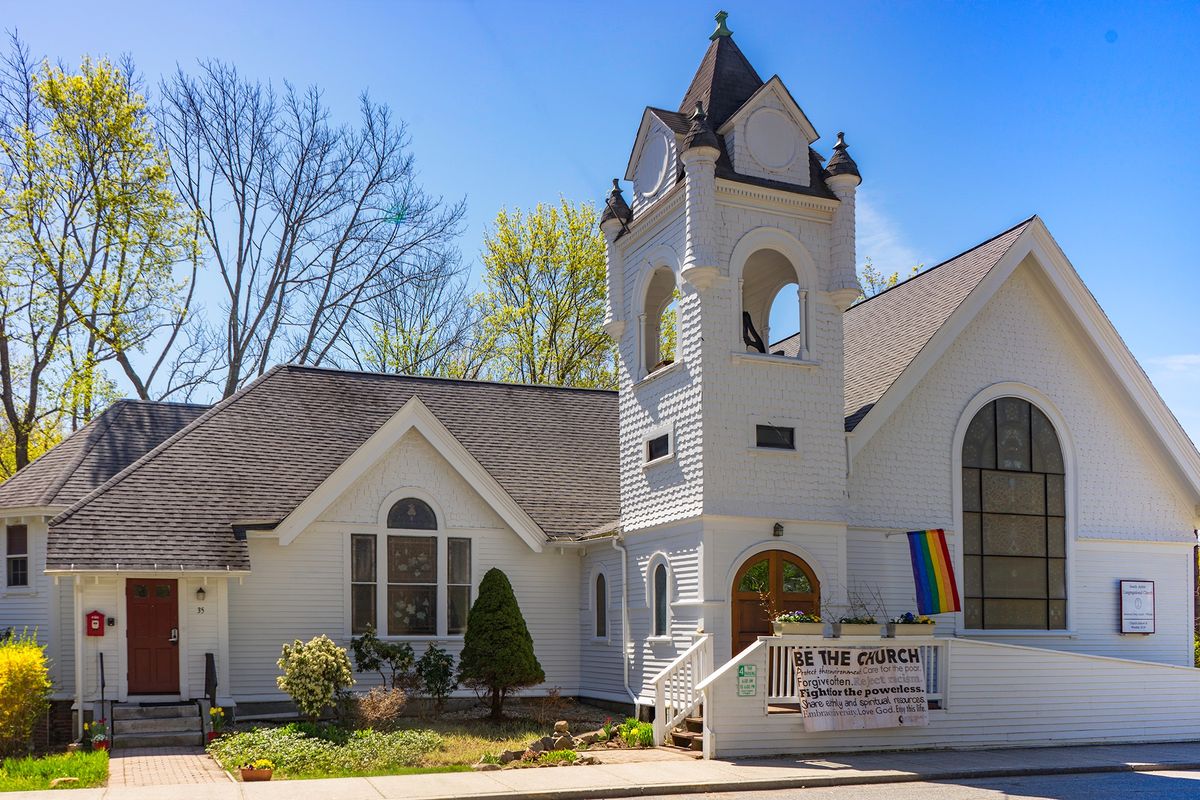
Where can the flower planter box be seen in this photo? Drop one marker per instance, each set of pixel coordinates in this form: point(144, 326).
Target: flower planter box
point(909, 629)
point(100, 745)
point(213, 735)
point(252, 775)
point(798, 628)
point(856, 629)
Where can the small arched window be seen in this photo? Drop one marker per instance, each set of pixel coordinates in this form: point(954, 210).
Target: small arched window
point(659, 321)
point(600, 604)
point(1014, 520)
point(661, 601)
point(412, 514)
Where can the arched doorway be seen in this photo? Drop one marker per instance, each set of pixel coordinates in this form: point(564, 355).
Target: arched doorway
point(773, 578)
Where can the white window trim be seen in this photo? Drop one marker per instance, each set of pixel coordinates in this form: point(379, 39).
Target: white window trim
point(779, 422)
point(594, 600)
point(380, 531)
point(659, 558)
point(667, 428)
point(1070, 485)
point(29, 588)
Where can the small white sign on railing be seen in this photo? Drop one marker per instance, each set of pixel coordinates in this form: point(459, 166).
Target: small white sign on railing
point(853, 688)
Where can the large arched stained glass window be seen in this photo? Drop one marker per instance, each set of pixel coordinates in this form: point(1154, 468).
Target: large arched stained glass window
point(413, 514)
point(1014, 520)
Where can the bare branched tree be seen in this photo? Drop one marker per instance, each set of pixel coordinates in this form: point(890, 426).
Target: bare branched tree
point(307, 223)
point(428, 327)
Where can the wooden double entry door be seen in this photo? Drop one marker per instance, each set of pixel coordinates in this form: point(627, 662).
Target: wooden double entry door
point(152, 630)
point(775, 580)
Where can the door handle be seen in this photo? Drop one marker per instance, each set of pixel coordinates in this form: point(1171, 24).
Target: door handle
point(174, 636)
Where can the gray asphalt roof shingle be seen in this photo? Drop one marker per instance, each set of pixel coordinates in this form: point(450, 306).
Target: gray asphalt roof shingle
point(884, 333)
point(123, 433)
point(258, 454)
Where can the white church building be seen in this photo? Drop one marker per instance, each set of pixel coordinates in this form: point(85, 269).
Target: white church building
point(644, 530)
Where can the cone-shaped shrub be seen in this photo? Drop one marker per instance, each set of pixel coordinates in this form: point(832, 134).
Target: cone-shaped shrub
point(497, 652)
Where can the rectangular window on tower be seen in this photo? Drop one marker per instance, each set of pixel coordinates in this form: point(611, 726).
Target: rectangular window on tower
point(774, 437)
point(658, 445)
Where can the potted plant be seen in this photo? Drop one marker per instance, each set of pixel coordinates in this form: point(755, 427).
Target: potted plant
point(97, 733)
point(910, 624)
point(860, 624)
point(260, 769)
point(797, 623)
point(216, 716)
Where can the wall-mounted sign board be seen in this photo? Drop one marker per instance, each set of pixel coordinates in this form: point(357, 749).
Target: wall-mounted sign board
point(1137, 606)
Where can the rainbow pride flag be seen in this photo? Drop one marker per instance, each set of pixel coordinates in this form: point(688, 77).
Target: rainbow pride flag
point(933, 573)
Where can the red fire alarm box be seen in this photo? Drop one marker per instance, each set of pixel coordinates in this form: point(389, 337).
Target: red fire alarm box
point(95, 623)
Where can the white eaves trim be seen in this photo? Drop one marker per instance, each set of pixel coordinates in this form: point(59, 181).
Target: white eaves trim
point(774, 86)
point(1036, 241)
point(414, 415)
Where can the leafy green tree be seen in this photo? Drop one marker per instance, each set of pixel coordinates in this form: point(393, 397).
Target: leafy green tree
point(542, 305)
point(436, 671)
point(873, 281)
point(497, 653)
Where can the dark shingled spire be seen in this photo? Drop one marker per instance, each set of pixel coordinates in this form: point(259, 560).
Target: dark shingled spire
point(700, 134)
point(615, 206)
point(840, 163)
point(723, 81)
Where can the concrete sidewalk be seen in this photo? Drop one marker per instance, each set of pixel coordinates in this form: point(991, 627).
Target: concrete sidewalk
point(684, 776)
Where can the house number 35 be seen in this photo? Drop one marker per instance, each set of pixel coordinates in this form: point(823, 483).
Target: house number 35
point(199, 609)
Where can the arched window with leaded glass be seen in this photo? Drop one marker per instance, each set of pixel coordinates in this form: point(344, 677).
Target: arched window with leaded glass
point(1014, 520)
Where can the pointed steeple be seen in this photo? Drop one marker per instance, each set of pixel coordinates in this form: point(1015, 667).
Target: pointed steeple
point(723, 81)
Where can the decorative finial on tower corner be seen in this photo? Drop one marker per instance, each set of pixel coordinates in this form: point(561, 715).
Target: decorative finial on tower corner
point(700, 134)
point(722, 28)
point(840, 163)
point(616, 208)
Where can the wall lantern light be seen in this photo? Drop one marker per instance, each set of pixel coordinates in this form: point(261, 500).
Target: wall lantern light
point(200, 594)
point(778, 529)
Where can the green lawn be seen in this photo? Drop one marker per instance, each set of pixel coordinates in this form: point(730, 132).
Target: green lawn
point(27, 774)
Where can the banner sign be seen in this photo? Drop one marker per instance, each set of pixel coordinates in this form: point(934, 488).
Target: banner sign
point(1137, 606)
point(847, 688)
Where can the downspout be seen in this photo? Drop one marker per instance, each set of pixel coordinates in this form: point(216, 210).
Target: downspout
point(625, 641)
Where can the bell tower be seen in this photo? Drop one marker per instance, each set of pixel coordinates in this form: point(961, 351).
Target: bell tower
point(728, 273)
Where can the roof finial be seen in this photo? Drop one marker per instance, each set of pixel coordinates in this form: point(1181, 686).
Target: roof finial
point(722, 28)
point(840, 163)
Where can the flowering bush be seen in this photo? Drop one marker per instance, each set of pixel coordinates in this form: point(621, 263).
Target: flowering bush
point(909, 618)
point(314, 673)
point(24, 689)
point(797, 616)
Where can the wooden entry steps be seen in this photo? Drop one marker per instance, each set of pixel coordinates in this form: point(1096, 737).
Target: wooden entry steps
point(176, 725)
point(689, 735)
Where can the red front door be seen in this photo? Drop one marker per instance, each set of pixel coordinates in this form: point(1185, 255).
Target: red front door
point(152, 607)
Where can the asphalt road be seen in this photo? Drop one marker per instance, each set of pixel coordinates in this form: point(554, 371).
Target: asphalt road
point(1122, 785)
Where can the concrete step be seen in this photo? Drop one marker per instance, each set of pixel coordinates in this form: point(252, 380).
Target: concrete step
point(122, 712)
point(123, 741)
point(162, 725)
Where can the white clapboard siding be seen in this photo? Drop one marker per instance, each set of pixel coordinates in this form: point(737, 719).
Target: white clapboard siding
point(28, 608)
point(882, 564)
point(998, 695)
point(601, 673)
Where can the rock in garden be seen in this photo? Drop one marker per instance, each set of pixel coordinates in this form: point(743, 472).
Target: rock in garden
point(486, 767)
point(565, 742)
point(547, 742)
point(57, 782)
point(561, 727)
point(536, 746)
point(589, 738)
point(505, 757)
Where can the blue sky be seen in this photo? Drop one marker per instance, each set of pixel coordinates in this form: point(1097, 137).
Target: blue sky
point(964, 118)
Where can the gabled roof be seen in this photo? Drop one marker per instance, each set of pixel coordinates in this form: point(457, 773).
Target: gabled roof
point(884, 333)
point(123, 433)
point(259, 454)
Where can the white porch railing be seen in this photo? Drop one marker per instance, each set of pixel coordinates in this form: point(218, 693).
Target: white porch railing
point(675, 688)
point(781, 663)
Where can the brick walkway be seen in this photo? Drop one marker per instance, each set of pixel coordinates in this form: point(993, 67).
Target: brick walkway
point(162, 766)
